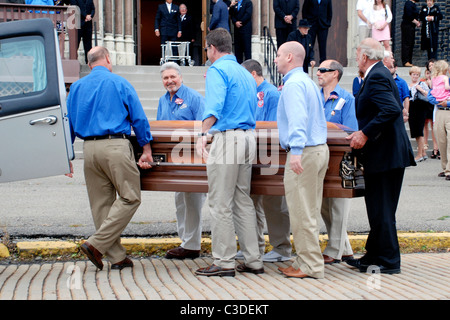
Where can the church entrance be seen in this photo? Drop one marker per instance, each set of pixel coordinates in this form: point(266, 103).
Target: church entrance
point(149, 45)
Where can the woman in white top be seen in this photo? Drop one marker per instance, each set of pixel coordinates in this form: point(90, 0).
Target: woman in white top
point(380, 16)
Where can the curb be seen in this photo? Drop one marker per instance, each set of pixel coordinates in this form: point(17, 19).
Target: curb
point(409, 243)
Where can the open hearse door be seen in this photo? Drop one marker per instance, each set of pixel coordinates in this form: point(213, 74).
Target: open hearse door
point(34, 129)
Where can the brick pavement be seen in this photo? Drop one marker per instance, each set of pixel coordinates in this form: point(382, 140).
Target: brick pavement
point(425, 276)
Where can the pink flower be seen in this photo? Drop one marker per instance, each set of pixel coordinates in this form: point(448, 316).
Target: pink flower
point(179, 101)
point(333, 97)
point(260, 95)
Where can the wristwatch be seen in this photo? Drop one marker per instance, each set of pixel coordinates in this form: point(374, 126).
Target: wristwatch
point(202, 134)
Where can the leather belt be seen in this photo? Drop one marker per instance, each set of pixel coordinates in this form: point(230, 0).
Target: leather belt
point(444, 108)
point(108, 136)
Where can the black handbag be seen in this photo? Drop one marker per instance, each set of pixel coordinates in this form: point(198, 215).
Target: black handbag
point(352, 172)
point(419, 96)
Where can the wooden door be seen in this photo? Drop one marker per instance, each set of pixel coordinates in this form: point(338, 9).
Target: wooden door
point(337, 34)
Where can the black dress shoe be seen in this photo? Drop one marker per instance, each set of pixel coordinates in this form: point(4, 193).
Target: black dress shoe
point(243, 268)
point(356, 263)
point(383, 269)
point(122, 264)
point(93, 254)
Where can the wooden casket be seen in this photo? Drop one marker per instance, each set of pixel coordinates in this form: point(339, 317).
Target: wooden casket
point(177, 167)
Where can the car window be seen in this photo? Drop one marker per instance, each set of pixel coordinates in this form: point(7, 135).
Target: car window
point(22, 66)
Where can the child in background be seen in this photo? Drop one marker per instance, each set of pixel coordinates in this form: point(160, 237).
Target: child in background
point(439, 80)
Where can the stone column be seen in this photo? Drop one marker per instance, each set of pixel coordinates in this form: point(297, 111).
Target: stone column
point(119, 32)
point(129, 40)
point(108, 40)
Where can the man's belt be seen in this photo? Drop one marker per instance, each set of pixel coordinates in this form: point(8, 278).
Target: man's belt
point(444, 108)
point(108, 136)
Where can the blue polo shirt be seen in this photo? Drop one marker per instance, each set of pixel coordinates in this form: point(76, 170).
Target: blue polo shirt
point(403, 88)
point(300, 117)
point(104, 103)
point(268, 96)
point(341, 111)
point(230, 95)
point(186, 104)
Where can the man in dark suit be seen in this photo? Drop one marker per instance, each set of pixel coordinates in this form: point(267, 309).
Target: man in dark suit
point(87, 12)
point(241, 16)
point(167, 22)
point(384, 150)
point(219, 18)
point(286, 12)
point(319, 13)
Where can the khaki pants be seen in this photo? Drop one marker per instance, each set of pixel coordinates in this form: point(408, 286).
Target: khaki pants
point(272, 210)
point(229, 169)
point(304, 193)
point(189, 218)
point(114, 190)
point(442, 133)
point(335, 213)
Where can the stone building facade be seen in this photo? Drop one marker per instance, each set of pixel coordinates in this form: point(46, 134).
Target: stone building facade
point(125, 27)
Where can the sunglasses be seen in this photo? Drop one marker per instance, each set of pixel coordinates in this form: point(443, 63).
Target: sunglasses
point(323, 70)
point(206, 48)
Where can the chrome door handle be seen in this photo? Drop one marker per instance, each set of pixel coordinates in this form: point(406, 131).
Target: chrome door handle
point(47, 120)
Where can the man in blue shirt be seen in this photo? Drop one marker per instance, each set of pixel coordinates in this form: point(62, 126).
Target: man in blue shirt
point(402, 85)
point(303, 134)
point(339, 107)
point(183, 103)
point(230, 105)
point(102, 108)
point(273, 209)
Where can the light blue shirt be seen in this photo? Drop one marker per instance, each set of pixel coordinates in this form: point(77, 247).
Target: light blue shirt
point(268, 96)
point(230, 95)
point(186, 104)
point(341, 111)
point(104, 103)
point(301, 120)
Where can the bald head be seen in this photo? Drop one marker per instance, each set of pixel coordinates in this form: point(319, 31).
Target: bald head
point(290, 55)
point(99, 56)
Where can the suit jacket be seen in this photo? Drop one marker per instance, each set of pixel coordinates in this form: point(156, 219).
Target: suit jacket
point(306, 42)
point(219, 18)
point(168, 23)
point(318, 14)
point(284, 8)
point(244, 14)
point(380, 117)
point(86, 7)
point(187, 28)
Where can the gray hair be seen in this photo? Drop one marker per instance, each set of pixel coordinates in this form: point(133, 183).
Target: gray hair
point(170, 65)
point(372, 53)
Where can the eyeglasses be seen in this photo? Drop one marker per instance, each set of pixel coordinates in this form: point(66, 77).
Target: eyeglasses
point(207, 47)
point(323, 70)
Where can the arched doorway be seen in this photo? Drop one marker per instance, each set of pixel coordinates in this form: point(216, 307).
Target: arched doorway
point(148, 44)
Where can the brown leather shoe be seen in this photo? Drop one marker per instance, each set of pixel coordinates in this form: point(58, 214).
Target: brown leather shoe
point(122, 264)
point(295, 273)
point(93, 254)
point(214, 270)
point(243, 268)
point(182, 253)
point(330, 260)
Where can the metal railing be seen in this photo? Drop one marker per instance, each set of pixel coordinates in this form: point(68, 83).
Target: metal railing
point(64, 19)
point(270, 52)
